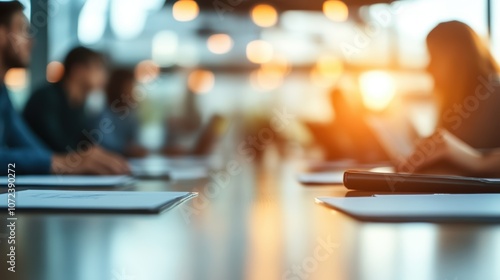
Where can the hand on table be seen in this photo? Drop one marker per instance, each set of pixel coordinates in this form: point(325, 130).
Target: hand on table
point(95, 161)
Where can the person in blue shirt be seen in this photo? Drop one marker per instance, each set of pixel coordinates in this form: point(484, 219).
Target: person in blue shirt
point(18, 145)
point(121, 111)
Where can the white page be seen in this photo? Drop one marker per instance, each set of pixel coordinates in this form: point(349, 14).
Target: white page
point(335, 177)
point(168, 162)
point(67, 180)
point(182, 168)
point(421, 207)
point(92, 200)
point(192, 173)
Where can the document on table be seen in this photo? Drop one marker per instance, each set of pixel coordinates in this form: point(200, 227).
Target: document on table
point(175, 169)
point(419, 208)
point(93, 201)
point(66, 181)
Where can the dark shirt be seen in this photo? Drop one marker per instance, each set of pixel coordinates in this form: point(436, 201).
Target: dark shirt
point(477, 124)
point(57, 122)
point(18, 145)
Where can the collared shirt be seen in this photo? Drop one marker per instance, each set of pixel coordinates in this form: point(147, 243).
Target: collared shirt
point(18, 145)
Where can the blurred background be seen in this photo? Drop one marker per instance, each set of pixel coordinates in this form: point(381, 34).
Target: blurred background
point(245, 60)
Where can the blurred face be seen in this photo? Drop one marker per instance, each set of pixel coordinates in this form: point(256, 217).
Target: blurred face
point(16, 43)
point(97, 76)
point(91, 78)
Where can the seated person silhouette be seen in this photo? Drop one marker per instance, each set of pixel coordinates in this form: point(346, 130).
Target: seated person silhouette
point(56, 113)
point(18, 145)
point(121, 112)
point(467, 87)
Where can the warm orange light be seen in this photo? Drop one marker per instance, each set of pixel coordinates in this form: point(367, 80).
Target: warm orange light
point(266, 79)
point(335, 10)
point(259, 51)
point(220, 43)
point(319, 80)
point(147, 71)
point(55, 71)
point(378, 89)
point(185, 10)
point(278, 64)
point(330, 66)
point(264, 15)
point(327, 71)
point(201, 81)
point(16, 78)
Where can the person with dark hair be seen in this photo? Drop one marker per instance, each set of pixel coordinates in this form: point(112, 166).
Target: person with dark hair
point(463, 70)
point(19, 147)
point(121, 113)
point(467, 88)
point(56, 112)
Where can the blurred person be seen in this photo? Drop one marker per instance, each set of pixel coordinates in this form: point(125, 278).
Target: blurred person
point(120, 110)
point(184, 124)
point(467, 89)
point(18, 145)
point(56, 112)
point(348, 136)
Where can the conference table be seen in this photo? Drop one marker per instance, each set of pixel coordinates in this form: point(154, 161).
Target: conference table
point(258, 223)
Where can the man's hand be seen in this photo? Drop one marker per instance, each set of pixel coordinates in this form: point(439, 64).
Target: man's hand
point(96, 161)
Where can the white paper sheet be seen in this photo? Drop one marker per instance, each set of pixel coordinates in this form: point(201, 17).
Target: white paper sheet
point(182, 168)
point(67, 181)
point(433, 208)
point(94, 200)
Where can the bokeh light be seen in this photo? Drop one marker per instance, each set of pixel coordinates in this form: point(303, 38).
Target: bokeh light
point(185, 10)
point(147, 71)
point(16, 78)
point(121, 13)
point(259, 51)
point(327, 70)
point(264, 15)
point(92, 21)
point(378, 89)
point(220, 43)
point(165, 48)
point(266, 79)
point(201, 81)
point(336, 10)
point(55, 71)
point(279, 63)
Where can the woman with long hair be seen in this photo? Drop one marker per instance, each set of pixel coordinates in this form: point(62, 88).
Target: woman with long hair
point(467, 90)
